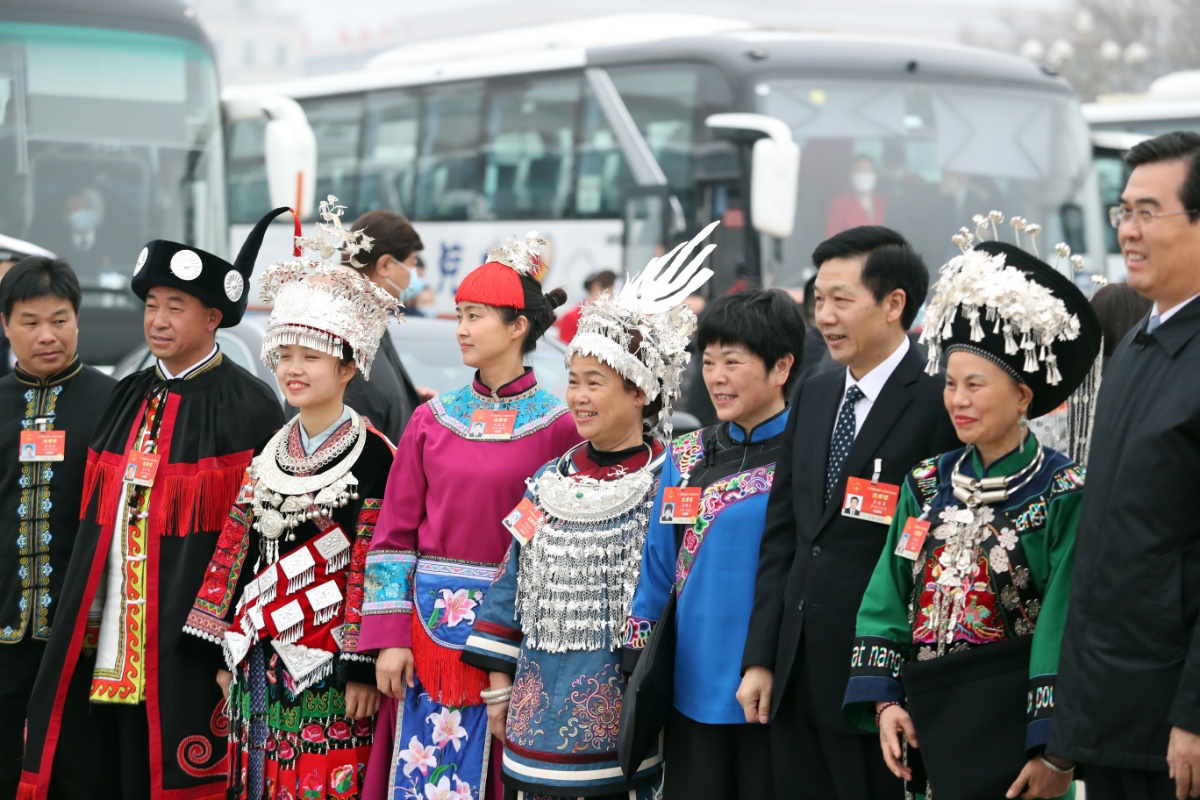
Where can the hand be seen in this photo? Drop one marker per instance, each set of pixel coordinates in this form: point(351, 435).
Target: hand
point(498, 712)
point(754, 694)
point(224, 679)
point(1038, 780)
point(895, 722)
point(425, 393)
point(1183, 759)
point(362, 700)
point(394, 671)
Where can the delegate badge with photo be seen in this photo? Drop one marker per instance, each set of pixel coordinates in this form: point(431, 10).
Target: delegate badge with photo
point(141, 468)
point(912, 538)
point(681, 505)
point(874, 502)
point(523, 520)
point(41, 445)
point(492, 426)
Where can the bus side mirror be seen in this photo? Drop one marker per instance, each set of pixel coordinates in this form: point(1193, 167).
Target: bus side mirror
point(774, 186)
point(774, 169)
point(290, 147)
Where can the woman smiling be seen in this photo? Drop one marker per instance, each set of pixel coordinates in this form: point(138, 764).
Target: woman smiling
point(963, 617)
point(550, 631)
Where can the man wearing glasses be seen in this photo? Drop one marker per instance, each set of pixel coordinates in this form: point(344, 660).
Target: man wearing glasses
point(1128, 693)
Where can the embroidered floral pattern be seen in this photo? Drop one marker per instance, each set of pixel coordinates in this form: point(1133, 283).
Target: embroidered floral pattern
point(388, 582)
point(418, 757)
point(536, 409)
point(448, 729)
point(528, 702)
point(456, 607)
point(594, 706)
point(717, 497)
point(637, 632)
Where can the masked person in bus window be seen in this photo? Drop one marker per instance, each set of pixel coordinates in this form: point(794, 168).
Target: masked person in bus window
point(862, 205)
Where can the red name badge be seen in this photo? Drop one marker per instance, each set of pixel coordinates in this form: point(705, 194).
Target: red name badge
point(681, 505)
point(874, 502)
point(523, 520)
point(43, 445)
point(912, 538)
point(488, 425)
point(141, 468)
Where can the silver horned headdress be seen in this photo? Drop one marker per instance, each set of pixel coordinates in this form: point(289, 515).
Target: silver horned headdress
point(649, 309)
point(326, 306)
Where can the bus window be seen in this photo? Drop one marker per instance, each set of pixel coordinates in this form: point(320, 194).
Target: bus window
point(604, 174)
point(337, 125)
point(925, 158)
point(1111, 174)
point(531, 147)
point(669, 103)
point(247, 187)
point(96, 161)
point(450, 166)
point(390, 152)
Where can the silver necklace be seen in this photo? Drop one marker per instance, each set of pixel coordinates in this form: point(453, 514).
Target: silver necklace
point(323, 456)
point(281, 502)
point(587, 500)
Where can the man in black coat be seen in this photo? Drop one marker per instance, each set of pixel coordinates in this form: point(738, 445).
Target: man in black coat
point(876, 418)
point(1127, 701)
point(51, 402)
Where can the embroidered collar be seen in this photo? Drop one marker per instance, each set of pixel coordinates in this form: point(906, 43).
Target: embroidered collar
point(65, 374)
point(213, 359)
point(1009, 463)
point(309, 445)
point(527, 383)
point(772, 426)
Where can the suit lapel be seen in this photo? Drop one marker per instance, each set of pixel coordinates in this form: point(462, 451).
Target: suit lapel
point(885, 412)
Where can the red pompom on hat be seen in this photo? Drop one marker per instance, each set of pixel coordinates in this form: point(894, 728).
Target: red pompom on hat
point(498, 281)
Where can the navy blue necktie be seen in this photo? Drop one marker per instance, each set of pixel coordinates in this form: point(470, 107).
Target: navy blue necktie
point(843, 438)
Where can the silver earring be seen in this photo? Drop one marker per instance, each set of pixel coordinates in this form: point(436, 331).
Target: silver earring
point(1023, 421)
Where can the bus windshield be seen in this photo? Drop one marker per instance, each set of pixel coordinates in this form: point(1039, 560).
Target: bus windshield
point(924, 158)
point(108, 139)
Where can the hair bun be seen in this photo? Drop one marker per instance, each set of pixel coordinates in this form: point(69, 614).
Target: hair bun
point(556, 297)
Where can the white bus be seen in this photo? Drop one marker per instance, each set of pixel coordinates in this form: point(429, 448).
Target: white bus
point(613, 136)
point(111, 135)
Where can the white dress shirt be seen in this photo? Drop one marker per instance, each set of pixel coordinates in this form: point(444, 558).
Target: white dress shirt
point(872, 384)
point(1157, 318)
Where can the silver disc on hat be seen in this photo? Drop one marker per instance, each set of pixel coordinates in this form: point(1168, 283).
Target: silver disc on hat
point(187, 265)
point(234, 285)
point(141, 260)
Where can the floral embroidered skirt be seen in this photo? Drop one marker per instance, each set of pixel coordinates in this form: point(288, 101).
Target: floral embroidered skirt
point(286, 746)
point(439, 752)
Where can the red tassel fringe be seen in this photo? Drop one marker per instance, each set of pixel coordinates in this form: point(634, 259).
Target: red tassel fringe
point(181, 504)
point(26, 791)
point(447, 679)
point(493, 284)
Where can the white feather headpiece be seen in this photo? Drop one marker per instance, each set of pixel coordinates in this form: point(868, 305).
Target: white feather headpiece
point(651, 307)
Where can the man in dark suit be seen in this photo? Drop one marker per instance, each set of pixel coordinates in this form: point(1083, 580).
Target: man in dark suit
point(1127, 698)
point(881, 414)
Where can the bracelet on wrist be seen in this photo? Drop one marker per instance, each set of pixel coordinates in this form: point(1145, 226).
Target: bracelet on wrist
point(494, 696)
point(884, 708)
point(1050, 765)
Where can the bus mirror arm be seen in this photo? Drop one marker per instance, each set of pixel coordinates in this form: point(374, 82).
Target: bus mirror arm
point(774, 169)
point(290, 147)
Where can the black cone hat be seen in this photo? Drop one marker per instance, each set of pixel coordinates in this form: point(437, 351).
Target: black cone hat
point(203, 275)
point(1074, 357)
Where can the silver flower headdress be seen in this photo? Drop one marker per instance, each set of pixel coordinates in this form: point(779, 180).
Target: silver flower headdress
point(523, 255)
point(650, 306)
point(326, 306)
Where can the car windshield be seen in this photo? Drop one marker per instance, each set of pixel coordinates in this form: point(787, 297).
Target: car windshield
point(108, 139)
point(923, 158)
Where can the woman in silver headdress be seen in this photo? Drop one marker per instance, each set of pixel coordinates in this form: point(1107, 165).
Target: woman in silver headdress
point(551, 631)
point(283, 593)
point(963, 617)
